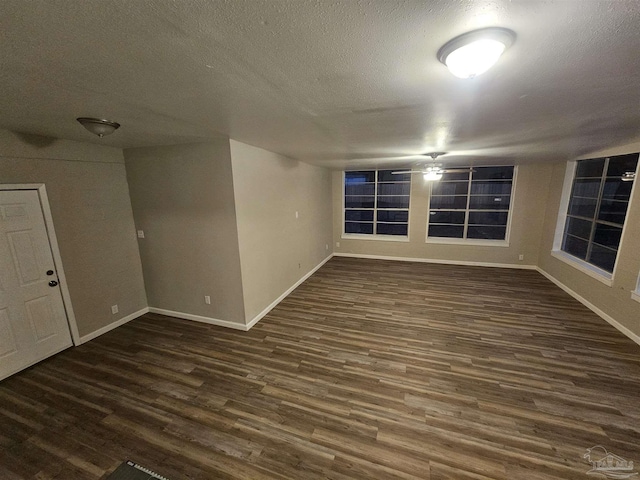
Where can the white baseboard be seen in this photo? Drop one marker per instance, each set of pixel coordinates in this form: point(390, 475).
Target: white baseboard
point(111, 326)
point(259, 317)
point(443, 262)
point(199, 318)
point(608, 318)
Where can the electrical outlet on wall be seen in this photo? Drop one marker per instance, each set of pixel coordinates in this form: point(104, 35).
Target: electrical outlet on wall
point(140, 233)
point(337, 244)
point(207, 299)
point(521, 257)
point(326, 247)
point(114, 309)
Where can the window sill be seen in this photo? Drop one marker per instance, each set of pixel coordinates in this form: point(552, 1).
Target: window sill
point(635, 296)
point(586, 268)
point(383, 238)
point(467, 241)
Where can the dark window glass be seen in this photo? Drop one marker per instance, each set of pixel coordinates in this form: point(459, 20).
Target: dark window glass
point(351, 178)
point(576, 246)
point(601, 199)
point(590, 168)
point(392, 228)
point(446, 217)
point(357, 227)
point(359, 202)
point(493, 202)
point(493, 173)
point(393, 202)
point(487, 233)
point(488, 218)
point(602, 257)
point(360, 189)
point(455, 176)
point(482, 197)
point(450, 188)
point(499, 187)
point(613, 211)
point(359, 215)
point(393, 216)
point(376, 202)
point(579, 228)
point(583, 207)
point(387, 176)
point(394, 188)
point(607, 236)
point(450, 231)
point(451, 203)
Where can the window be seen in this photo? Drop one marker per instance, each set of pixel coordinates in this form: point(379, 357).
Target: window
point(597, 209)
point(471, 205)
point(376, 202)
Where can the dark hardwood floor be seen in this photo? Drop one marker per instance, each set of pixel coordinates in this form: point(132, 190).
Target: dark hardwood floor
point(370, 369)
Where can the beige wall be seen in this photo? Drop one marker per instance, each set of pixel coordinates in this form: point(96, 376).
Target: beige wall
point(527, 219)
point(276, 248)
point(182, 199)
point(614, 300)
point(89, 197)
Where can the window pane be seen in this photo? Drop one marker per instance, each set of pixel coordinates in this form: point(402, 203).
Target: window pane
point(393, 216)
point(488, 218)
point(387, 176)
point(490, 202)
point(449, 188)
point(393, 202)
point(576, 247)
point(492, 173)
point(446, 217)
point(607, 236)
point(579, 228)
point(446, 231)
point(358, 202)
point(448, 203)
point(616, 188)
point(613, 211)
point(587, 188)
point(392, 229)
point(360, 189)
point(356, 227)
point(603, 257)
point(491, 187)
point(489, 233)
point(621, 164)
point(455, 176)
point(351, 178)
point(590, 168)
point(394, 188)
point(359, 215)
point(583, 207)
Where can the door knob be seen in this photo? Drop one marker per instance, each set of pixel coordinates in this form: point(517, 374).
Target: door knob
point(53, 283)
point(49, 272)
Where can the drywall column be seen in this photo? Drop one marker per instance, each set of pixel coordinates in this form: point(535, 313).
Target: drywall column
point(182, 197)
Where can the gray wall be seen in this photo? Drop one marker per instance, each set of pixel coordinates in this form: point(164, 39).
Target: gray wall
point(89, 197)
point(182, 199)
point(276, 248)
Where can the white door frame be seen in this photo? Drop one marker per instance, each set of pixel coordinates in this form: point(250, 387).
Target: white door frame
point(53, 241)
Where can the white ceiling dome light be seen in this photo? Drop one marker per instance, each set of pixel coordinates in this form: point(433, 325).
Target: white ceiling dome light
point(98, 126)
point(475, 52)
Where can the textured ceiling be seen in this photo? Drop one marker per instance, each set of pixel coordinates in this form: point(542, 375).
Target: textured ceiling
point(335, 83)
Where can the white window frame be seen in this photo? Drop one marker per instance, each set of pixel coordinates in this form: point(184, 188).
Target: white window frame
point(375, 236)
point(478, 241)
point(577, 263)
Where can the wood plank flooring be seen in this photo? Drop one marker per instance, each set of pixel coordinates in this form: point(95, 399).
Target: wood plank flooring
point(370, 369)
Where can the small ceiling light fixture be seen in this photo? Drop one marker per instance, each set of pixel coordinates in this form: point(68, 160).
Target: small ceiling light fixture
point(628, 176)
point(98, 126)
point(475, 52)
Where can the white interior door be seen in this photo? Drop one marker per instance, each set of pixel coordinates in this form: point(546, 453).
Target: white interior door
point(33, 322)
